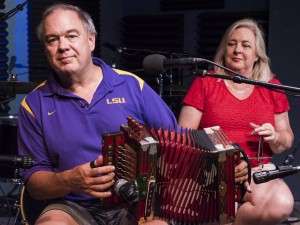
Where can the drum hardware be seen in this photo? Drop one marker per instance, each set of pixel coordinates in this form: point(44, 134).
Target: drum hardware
point(30, 208)
point(9, 146)
point(173, 96)
point(10, 175)
point(174, 90)
point(17, 208)
point(4, 108)
point(21, 206)
point(5, 98)
point(11, 162)
point(13, 86)
point(9, 89)
point(11, 201)
point(17, 87)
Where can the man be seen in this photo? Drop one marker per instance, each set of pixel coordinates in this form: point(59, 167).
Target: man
point(61, 123)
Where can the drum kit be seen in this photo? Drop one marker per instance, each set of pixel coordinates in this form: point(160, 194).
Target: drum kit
point(9, 175)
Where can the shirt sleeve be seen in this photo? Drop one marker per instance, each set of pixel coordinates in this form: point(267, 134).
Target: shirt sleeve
point(196, 94)
point(31, 143)
point(280, 99)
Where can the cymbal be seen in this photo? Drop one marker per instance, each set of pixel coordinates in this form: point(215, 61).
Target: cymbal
point(17, 87)
point(9, 120)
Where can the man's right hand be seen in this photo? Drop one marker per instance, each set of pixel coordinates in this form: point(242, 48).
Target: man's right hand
point(93, 181)
point(96, 181)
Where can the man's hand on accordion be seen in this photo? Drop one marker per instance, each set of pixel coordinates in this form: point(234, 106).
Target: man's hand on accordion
point(241, 175)
point(93, 178)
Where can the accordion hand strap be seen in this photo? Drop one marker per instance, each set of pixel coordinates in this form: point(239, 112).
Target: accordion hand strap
point(245, 158)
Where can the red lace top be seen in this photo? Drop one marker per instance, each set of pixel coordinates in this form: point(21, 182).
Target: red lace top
point(221, 108)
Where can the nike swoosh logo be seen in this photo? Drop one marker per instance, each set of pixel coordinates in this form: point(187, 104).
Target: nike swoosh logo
point(50, 113)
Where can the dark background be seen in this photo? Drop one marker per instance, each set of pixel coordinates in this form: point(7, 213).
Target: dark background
point(178, 28)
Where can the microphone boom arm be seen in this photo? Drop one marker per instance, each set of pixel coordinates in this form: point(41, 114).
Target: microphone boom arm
point(241, 79)
point(12, 12)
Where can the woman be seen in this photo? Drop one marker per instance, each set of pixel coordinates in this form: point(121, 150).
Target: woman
point(254, 117)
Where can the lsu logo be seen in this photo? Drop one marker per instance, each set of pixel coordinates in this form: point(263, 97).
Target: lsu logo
point(115, 101)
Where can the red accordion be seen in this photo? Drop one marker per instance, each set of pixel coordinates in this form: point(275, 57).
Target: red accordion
point(187, 174)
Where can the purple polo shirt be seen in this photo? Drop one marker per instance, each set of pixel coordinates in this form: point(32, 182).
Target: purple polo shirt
point(60, 130)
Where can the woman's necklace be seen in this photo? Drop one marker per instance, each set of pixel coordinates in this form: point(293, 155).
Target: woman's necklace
point(237, 91)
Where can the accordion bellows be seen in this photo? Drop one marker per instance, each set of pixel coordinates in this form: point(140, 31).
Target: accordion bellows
point(182, 176)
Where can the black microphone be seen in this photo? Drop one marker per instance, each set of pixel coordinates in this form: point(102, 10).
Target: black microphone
point(16, 161)
point(280, 172)
point(127, 190)
point(156, 63)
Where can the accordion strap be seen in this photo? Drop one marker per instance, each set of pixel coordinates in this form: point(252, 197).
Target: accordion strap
point(246, 158)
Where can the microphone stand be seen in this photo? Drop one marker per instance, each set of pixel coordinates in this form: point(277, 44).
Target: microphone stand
point(160, 81)
point(290, 158)
point(121, 49)
point(13, 11)
point(238, 78)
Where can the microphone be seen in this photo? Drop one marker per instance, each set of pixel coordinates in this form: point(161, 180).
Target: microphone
point(282, 171)
point(16, 161)
point(127, 190)
point(156, 63)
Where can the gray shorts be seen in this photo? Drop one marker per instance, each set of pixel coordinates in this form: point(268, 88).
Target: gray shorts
point(93, 214)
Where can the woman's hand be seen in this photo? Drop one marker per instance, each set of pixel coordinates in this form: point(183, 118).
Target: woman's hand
point(266, 130)
point(279, 136)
